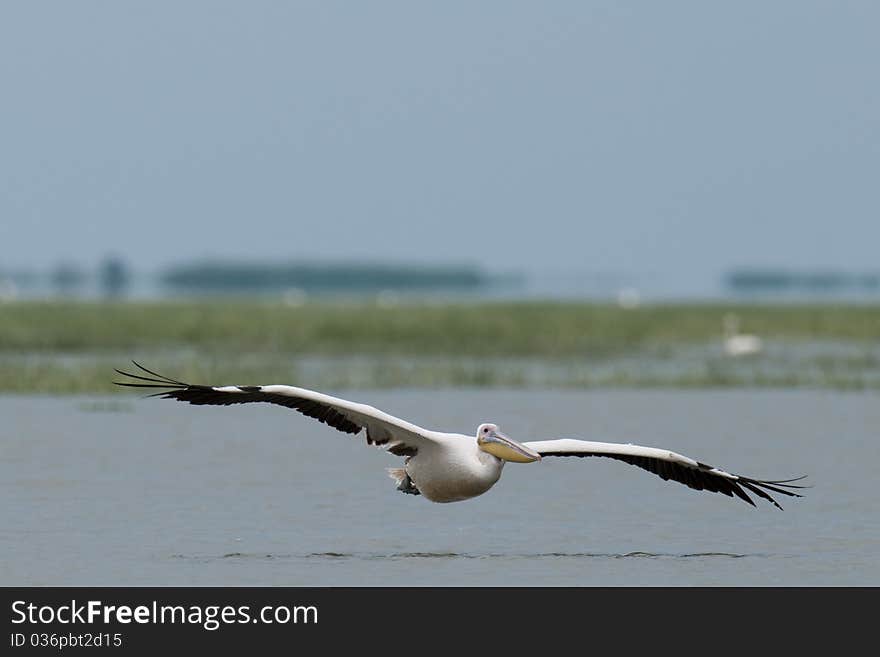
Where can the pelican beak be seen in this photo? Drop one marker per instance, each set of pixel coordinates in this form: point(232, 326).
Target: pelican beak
point(504, 448)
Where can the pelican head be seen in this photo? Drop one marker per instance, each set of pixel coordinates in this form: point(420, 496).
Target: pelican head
point(493, 442)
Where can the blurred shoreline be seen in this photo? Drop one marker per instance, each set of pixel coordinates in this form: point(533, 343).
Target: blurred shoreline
point(72, 347)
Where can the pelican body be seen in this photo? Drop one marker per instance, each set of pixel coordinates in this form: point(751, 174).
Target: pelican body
point(451, 467)
point(456, 467)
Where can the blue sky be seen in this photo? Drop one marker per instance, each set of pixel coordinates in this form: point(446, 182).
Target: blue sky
point(657, 138)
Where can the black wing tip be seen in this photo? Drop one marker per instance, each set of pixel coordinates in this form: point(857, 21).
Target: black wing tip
point(156, 374)
point(155, 380)
point(778, 485)
point(786, 483)
point(760, 487)
point(726, 483)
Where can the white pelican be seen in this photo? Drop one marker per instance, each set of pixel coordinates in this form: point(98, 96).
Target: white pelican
point(450, 467)
point(736, 343)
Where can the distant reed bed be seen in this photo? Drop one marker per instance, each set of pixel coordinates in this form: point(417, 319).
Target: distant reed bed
point(59, 347)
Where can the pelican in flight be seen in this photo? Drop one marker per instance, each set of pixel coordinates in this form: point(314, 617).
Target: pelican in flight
point(450, 467)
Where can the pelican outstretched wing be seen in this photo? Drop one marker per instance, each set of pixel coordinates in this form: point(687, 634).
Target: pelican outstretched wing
point(397, 436)
point(669, 465)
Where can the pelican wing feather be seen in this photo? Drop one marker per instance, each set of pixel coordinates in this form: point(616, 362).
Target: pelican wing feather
point(398, 436)
point(669, 465)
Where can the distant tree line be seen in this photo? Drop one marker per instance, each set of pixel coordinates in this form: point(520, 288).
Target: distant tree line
point(219, 276)
point(757, 280)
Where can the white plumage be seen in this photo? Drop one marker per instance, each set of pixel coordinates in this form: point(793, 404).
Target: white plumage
point(736, 343)
point(450, 467)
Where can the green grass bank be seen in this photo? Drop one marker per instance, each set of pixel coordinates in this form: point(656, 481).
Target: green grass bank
point(59, 347)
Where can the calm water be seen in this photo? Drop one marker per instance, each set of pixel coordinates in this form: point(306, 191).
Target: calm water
point(127, 491)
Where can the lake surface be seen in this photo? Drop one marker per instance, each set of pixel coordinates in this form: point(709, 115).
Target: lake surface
point(131, 491)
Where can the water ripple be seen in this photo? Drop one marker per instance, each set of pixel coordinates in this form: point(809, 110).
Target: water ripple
point(395, 556)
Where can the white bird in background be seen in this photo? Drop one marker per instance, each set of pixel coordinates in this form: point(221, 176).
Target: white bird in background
point(450, 467)
point(736, 343)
